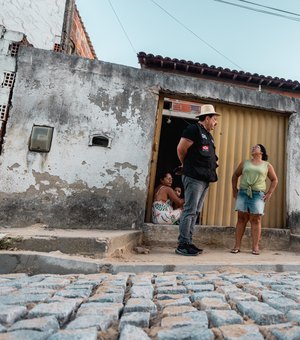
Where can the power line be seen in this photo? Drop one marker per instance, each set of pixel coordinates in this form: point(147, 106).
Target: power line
point(258, 10)
point(197, 36)
point(134, 50)
point(272, 8)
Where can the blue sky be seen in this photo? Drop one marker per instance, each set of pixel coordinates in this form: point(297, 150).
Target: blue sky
point(222, 35)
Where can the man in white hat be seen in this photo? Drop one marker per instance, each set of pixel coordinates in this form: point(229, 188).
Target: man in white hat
point(196, 152)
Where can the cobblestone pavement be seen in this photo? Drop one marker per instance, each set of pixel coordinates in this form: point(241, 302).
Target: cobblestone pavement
point(183, 305)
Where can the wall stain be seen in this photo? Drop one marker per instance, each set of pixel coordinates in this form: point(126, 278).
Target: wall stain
point(125, 165)
point(14, 166)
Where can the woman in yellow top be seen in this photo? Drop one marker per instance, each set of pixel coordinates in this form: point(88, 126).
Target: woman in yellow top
point(252, 195)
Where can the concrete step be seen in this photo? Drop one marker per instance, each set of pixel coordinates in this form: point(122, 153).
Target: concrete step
point(93, 243)
point(218, 237)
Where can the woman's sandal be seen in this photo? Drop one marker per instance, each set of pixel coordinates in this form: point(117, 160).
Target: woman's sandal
point(235, 251)
point(255, 252)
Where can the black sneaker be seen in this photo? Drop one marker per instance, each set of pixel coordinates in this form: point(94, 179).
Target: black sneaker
point(199, 250)
point(186, 250)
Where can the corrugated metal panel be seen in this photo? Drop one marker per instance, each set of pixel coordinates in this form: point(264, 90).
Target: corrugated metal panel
point(238, 129)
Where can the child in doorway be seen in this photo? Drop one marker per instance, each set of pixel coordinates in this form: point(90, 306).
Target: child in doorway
point(178, 192)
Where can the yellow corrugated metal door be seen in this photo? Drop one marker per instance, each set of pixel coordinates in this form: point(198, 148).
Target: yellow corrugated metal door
point(238, 129)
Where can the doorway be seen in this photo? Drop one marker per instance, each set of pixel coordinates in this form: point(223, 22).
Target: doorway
point(238, 129)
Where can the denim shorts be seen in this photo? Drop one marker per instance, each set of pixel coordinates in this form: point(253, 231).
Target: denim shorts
point(254, 205)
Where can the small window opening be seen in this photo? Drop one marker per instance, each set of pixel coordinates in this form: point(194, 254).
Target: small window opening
point(100, 140)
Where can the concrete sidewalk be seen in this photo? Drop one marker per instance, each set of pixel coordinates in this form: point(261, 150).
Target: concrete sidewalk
point(39, 249)
point(157, 260)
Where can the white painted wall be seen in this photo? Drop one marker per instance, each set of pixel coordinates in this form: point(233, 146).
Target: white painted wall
point(40, 20)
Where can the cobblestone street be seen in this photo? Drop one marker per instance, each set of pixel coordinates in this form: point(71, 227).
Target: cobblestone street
point(220, 304)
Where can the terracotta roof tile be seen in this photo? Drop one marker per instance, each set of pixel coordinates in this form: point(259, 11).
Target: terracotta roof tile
point(191, 68)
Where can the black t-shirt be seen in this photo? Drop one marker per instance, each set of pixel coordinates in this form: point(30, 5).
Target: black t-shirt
point(201, 160)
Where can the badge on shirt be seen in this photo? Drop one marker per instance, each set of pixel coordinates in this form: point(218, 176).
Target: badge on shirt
point(203, 136)
point(205, 148)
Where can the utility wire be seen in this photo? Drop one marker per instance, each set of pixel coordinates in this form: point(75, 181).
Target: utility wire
point(272, 8)
point(258, 10)
point(197, 36)
point(134, 50)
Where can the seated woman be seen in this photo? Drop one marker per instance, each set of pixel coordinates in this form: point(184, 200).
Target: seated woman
point(164, 197)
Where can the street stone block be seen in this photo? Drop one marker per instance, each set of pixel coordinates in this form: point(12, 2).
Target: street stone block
point(294, 295)
point(227, 289)
point(189, 276)
point(270, 294)
point(282, 288)
point(9, 314)
point(22, 299)
point(219, 318)
point(100, 321)
point(121, 282)
point(142, 291)
point(74, 293)
point(200, 287)
point(178, 310)
point(7, 290)
point(199, 296)
point(110, 289)
point(51, 283)
point(107, 297)
point(138, 319)
point(166, 279)
point(178, 302)
point(79, 286)
point(267, 331)
point(30, 291)
point(191, 332)
point(264, 280)
point(92, 308)
point(171, 290)
point(25, 335)
point(254, 288)
point(241, 332)
point(170, 296)
point(130, 332)
point(208, 303)
point(260, 312)
point(61, 310)
point(294, 315)
point(286, 334)
point(87, 283)
point(235, 297)
point(186, 319)
point(75, 334)
point(140, 305)
point(46, 324)
point(141, 280)
point(283, 304)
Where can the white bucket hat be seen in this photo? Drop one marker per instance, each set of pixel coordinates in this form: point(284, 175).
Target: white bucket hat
point(207, 109)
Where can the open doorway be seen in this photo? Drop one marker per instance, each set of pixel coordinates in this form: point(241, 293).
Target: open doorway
point(173, 117)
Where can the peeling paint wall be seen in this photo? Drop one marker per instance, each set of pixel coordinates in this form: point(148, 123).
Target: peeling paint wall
point(293, 171)
point(81, 186)
point(40, 21)
point(76, 184)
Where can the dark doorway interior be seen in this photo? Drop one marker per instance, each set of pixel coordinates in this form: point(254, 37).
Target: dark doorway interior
point(171, 131)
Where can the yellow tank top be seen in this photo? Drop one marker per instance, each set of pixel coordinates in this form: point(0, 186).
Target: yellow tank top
point(254, 177)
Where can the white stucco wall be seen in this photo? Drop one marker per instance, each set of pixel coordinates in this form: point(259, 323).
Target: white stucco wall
point(293, 172)
point(77, 185)
point(40, 20)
